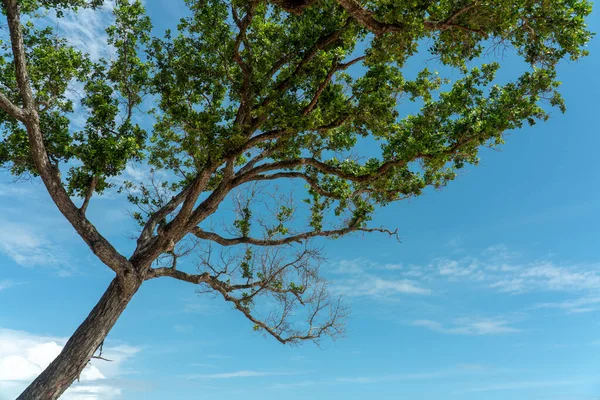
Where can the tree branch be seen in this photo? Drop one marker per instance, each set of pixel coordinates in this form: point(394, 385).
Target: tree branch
point(323, 85)
point(367, 19)
point(18, 50)
point(11, 109)
point(243, 24)
point(49, 173)
point(284, 84)
point(298, 238)
point(88, 194)
point(331, 170)
point(177, 274)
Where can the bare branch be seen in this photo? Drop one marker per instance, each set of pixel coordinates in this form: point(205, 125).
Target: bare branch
point(101, 358)
point(176, 274)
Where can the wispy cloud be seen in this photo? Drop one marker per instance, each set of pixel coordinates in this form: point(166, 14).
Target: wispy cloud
point(202, 365)
point(524, 385)
point(23, 356)
point(237, 374)
point(501, 269)
point(86, 29)
point(357, 280)
point(15, 190)
point(548, 276)
point(183, 328)
point(5, 284)
point(469, 326)
point(29, 247)
point(219, 356)
point(368, 379)
point(579, 305)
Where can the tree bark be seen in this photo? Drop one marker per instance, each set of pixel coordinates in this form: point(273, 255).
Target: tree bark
point(74, 357)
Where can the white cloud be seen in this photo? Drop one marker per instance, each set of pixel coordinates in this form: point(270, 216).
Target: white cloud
point(469, 326)
point(23, 356)
point(27, 247)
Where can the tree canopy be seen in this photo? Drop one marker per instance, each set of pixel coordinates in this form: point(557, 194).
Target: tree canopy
point(246, 94)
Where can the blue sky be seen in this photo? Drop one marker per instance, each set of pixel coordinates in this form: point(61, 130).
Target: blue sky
point(493, 293)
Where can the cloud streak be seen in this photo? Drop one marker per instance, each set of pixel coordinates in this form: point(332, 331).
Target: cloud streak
point(469, 326)
point(237, 374)
point(27, 247)
point(370, 379)
point(358, 281)
point(524, 385)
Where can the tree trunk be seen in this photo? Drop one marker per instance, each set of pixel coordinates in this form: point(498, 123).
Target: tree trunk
point(74, 357)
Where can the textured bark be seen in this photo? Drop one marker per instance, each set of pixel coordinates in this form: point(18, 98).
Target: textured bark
point(67, 366)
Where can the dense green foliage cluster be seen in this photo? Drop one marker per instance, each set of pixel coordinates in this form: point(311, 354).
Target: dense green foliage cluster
point(249, 78)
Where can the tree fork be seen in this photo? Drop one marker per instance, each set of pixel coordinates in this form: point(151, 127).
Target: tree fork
point(80, 348)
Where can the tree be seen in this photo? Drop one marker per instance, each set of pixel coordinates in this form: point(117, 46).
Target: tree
point(249, 97)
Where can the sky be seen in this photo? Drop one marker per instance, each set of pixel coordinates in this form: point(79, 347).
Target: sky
point(492, 293)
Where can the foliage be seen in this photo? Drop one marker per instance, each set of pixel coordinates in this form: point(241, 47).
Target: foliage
point(247, 91)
